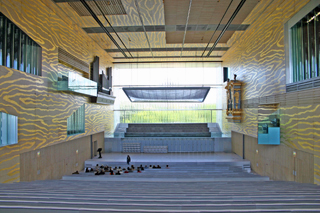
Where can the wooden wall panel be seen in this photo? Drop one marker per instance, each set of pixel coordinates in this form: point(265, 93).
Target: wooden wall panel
point(276, 162)
point(42, 110)
point(237, 143)
point(57, 160)
point(316, 168)
point(304, 167)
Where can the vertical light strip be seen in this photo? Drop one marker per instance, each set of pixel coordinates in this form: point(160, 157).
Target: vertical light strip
point(185, 29)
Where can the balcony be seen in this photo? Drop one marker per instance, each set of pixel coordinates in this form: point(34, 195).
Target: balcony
point(76, 83)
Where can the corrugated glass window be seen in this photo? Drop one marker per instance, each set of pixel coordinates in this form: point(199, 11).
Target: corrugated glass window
point(8, 129)
point(305, 47)
point(76, 122)
point(17, 49)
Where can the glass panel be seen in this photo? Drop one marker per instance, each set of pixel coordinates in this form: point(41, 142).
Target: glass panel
point(169, 116)
point(311, 45)
point(300, 49)
point(34, 58)
point(76, 122)
point(16, 54)
point(12, 127)
point(317, 36)
point(28, 55)
point(17, 50)
point(8, 129)
point(3, 128)
point(174, 116)
point(9, 44)
point(305, 47)
point(23, 52)
point(1, 38)
point(76, 83)
point(39, 60)
point(293, 54)
point(31, 56)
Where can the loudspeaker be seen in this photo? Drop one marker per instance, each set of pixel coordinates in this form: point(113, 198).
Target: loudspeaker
point(225, 74)
point(94, 72)
point(109, 76)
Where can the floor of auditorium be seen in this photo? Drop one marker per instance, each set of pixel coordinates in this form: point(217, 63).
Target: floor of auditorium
point(183, 167)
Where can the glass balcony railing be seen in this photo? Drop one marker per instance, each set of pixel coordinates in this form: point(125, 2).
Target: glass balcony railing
point(174, 116)
point(78, 84)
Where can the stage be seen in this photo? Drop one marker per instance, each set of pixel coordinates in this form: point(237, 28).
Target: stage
point(183, 167)
point(168, 157)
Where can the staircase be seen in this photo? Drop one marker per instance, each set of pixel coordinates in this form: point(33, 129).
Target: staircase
point(114, 196)
point(225, 186)
point(168, 130)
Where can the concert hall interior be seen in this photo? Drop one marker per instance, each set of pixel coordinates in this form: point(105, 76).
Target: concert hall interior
point(223, 95)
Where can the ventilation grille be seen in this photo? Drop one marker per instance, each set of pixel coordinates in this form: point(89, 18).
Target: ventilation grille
point(71, 60)
point(311, 83)
point(108, 7)
point(169, 49)
point(163, 28)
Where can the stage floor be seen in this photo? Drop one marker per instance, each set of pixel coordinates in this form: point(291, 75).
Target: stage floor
point(169, 157)
point(184, 167)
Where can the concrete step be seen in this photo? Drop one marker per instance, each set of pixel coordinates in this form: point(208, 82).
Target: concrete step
point(167, 134)
point(185, 187)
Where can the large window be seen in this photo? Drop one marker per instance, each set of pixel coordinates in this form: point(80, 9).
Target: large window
point(205, 74)
point(8, 129)
point(76, 122)
point(17, 49)
point(304, 43)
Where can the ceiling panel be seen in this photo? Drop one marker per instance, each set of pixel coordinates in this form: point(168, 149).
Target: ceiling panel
point(166, 94)
point(165, 22)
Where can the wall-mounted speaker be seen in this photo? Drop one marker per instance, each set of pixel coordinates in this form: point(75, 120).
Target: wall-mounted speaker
point(225, 74)
point(94, 71)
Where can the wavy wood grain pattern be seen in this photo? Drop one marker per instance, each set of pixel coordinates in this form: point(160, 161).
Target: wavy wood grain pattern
point(257, 57)
point(42, 110)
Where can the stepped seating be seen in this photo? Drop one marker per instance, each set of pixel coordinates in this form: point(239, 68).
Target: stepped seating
point(168, 130)
point(177, 189)
point(67, 196)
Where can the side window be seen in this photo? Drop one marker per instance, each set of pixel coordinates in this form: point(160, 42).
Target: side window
point(17, 49)
point(76, 122)
point(304, 46)
point(8, 129)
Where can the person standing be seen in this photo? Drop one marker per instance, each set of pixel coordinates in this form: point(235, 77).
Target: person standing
point(128, 159)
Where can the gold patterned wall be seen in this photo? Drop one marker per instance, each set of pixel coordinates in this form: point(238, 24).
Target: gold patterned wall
point(42, 110)
point(257, 56)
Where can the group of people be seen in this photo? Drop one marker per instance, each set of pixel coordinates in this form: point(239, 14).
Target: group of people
point(101, 170)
